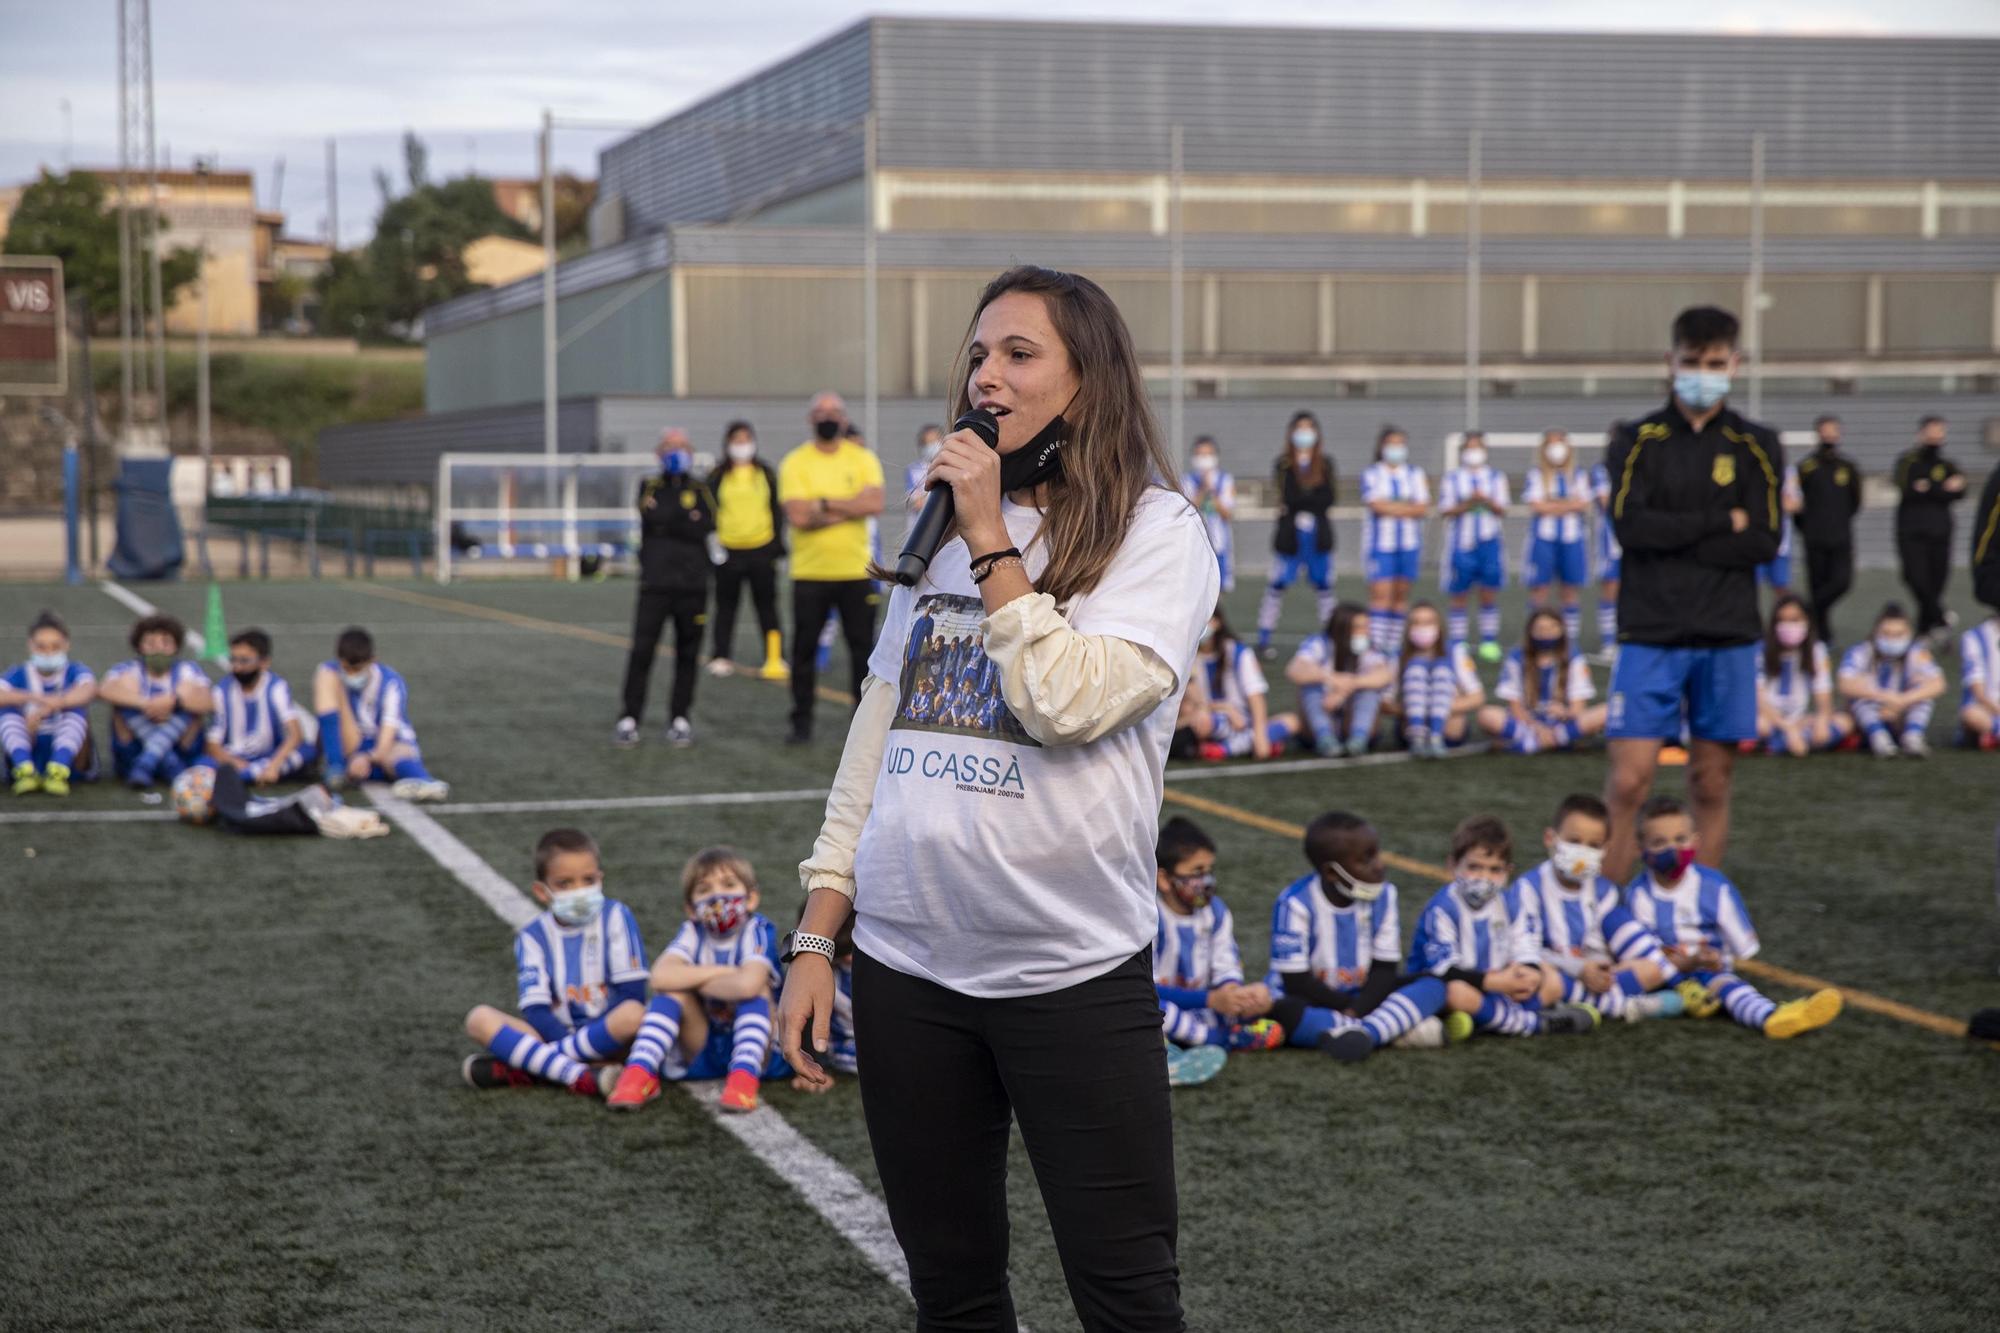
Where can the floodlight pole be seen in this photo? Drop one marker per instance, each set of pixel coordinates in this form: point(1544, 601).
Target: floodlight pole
point(870, 312)
point(202, 167)
point(1472, 281)
point(548, 285)
point(1753, 317)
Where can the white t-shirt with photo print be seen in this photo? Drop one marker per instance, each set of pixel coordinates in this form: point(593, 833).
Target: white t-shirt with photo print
point(993, 865)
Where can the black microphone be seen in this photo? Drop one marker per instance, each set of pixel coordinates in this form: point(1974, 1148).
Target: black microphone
point(927, 533)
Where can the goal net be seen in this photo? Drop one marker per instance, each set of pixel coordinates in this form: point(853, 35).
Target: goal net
point(514, 507)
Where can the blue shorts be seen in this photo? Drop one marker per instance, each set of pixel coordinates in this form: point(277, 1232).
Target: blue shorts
point(1651, 686)
point(1556, 562)
point(1317, 566)
point(1481, 567)
point(1609, 567)
point(713, 1059)
point(1386, 565)
point(1777, 571)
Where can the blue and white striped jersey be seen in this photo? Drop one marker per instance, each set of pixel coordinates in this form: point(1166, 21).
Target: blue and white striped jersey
point(756, 940)
point(1979, 654)
point(1608, 548)
point(1791, 493)
point(381, 704)
point(1790, 693)
point(23, 676)
point(1465, 676)
point(1336, 944)
point(572, 969)
point(1234, 676)
point(1577, 925)
point(1394, 481)
point(1198, 951)
point(134, 671)
point(1542, 486)
point(1452, 934)
point(1318, 650)
point(1220, 533)
point(1704, 908)
point(1475, 527)
point(1890, 673)
point(250, 724)
point(1571, 685)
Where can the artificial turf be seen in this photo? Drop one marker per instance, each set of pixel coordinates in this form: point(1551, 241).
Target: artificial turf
point(230, 1065)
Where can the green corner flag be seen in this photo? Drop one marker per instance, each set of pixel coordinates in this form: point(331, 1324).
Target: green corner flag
point(211, 625)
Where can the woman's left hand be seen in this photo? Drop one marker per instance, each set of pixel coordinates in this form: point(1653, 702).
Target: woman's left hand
point(973, 472)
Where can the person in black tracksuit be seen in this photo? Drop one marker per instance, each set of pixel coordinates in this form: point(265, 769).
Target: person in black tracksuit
point(1986, 545)
point(1929, 484)
point(676, 516)
point(1302, 542)
point(1830, 485)
point(751, 524)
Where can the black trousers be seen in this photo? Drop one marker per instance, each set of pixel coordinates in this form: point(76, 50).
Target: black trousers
point(1084, 1072)
point(1830, 571)
point(655, 609)
point(1926, 565)
point(811, 602)
point(758, 569)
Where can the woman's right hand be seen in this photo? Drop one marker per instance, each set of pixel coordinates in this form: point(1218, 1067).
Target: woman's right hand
point(806, 1009)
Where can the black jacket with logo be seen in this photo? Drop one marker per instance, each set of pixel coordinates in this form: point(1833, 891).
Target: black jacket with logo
point(1830, 485)
point(676, 514)
point(1688, 580)
point(1986, 544)
point(1296, 497)
point(1924, 509)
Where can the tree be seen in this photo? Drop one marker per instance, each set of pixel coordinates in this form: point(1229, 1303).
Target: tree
point(73, 217)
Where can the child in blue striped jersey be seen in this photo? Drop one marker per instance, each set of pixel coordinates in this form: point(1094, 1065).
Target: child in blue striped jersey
point(1705, 929)
point(1197, 968)
point(580, 974)
point(1545, 695)
point(1437, 689)
point(1594, 951)
point(710, 1016)
point(1479, 940)
point(1336, 952)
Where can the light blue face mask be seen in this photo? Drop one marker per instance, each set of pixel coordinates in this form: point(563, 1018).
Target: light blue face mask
point(49, 663)
point(355, 680)
point(578, 907)
point(1701, 389)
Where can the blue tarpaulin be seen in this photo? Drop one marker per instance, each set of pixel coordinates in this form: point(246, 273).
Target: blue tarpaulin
point(149, 533)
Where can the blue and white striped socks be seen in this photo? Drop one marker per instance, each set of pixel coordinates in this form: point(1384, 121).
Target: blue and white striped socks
point(751, 1036)
point(1404, 1010)
point(658, 1032)
point(593, 1041)
point(1743, 1002)
point(539, 1058)
point(1489, 623)
point(1455, 622)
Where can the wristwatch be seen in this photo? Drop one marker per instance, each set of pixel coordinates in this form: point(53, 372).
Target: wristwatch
point(800, 941)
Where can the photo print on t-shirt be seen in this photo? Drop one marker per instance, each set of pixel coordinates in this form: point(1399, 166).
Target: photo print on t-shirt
point(949, 684)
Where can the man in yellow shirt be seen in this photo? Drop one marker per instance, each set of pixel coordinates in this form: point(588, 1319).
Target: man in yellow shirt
point(750, 524)
point(830, 487)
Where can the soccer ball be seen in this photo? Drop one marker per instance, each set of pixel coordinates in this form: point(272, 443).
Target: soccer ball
point(194, 795)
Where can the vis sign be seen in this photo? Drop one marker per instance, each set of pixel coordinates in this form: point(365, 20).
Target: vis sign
point(32, 328)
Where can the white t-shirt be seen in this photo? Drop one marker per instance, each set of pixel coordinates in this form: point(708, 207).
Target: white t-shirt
point(990, 864)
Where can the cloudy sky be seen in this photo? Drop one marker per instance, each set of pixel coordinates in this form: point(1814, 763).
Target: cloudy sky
point(252, 82)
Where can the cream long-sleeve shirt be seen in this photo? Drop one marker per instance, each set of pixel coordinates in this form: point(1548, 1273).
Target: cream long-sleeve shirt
point(1064, 688)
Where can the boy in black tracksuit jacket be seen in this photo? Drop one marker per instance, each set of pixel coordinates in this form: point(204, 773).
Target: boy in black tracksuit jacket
point(676, 516)
point(1830, 485)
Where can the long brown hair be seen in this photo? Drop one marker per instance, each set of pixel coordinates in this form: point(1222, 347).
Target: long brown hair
point(1530, 673)
point(1774, 652)
point(1115, 454)
point(1315, 472)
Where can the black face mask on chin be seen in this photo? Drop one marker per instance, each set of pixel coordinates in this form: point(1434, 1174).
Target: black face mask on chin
point(1037, 461)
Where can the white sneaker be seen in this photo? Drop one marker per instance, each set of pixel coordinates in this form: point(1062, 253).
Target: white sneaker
point(1425, 1036)
point(1915, 746)
point(721, 666)
point(680, 733)
point(1883, 744)
point(626, 734)
point(420, 789)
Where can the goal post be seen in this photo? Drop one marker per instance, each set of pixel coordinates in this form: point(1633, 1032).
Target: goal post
point(529, 507)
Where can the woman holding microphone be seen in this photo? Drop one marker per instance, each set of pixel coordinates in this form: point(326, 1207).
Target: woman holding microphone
point(997, 855)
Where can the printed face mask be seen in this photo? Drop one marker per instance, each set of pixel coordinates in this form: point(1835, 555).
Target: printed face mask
point(48, 663)
point(1701, 389)
point(674, 462)
point(1477, 890)
point(1668, 864)
point(1577, 863)
point(1361, 890)
point(1791, 633)
point(576, 907)
point(1193, 891)
point(722, 912)
point(742, 451)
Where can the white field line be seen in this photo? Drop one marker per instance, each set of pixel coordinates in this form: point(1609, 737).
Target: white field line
point(826, 1185)
point(631, 802)
point(1254, 770)
point(88, 817)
